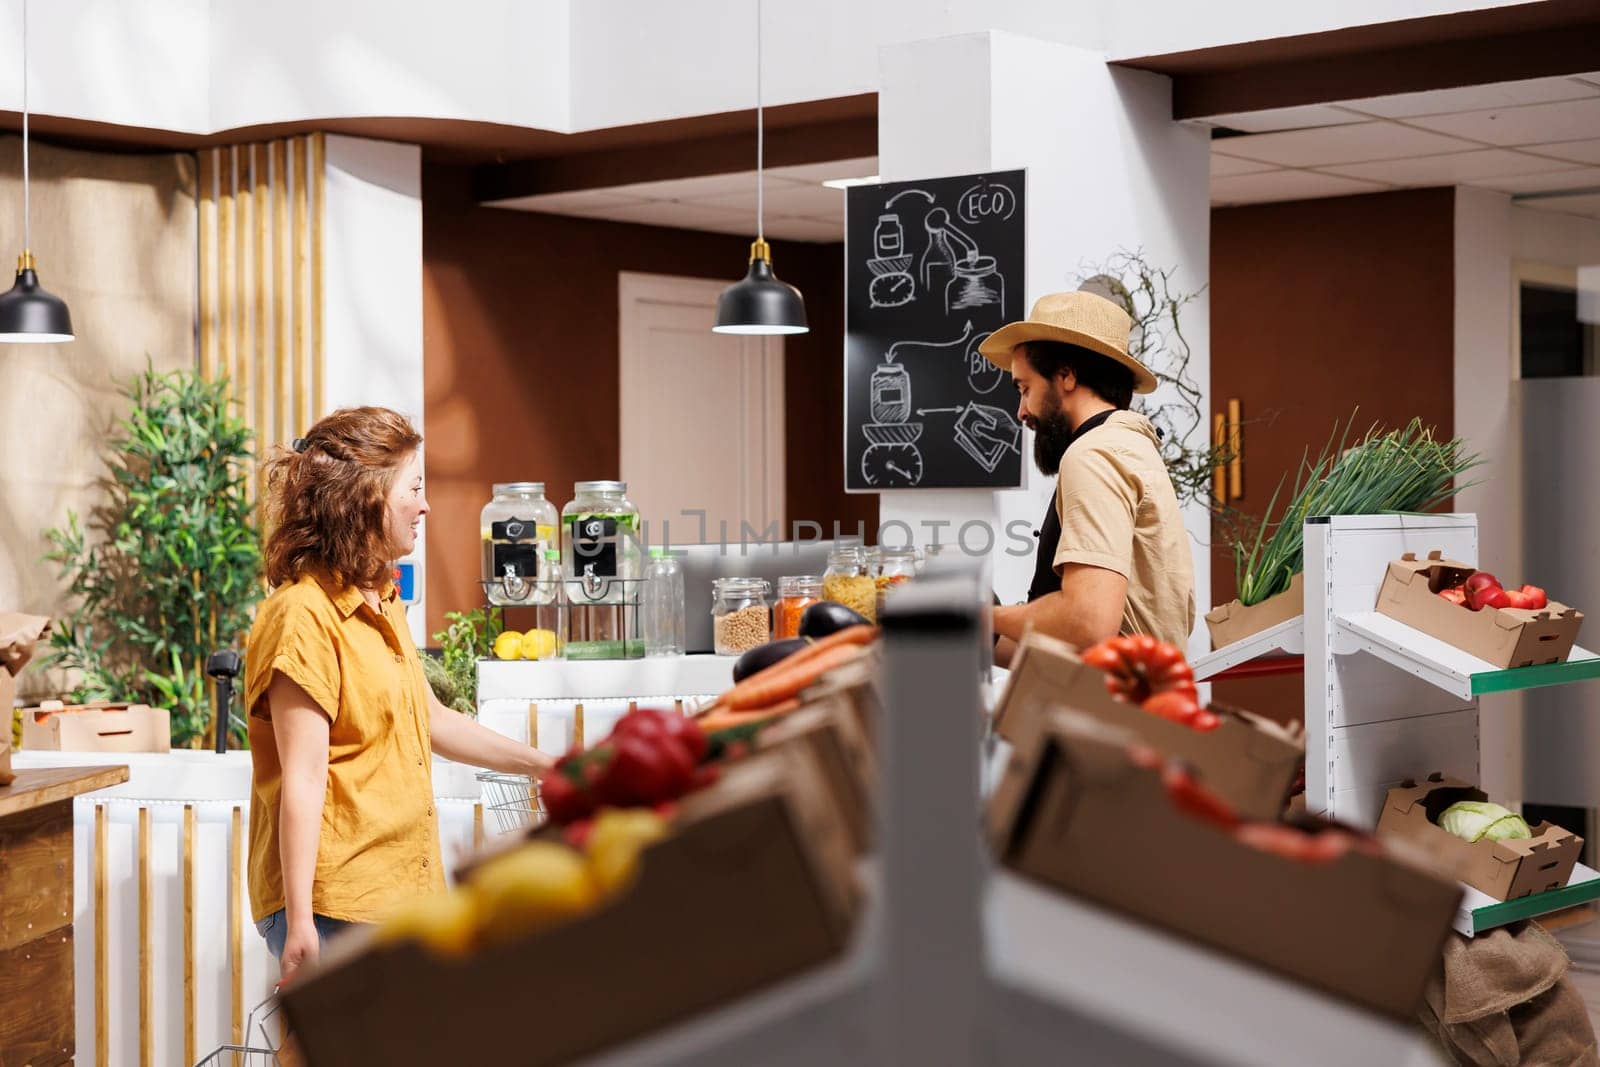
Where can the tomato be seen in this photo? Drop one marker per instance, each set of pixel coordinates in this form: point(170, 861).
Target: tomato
point(1139, 667)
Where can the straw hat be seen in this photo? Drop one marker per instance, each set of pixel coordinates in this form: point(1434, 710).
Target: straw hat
point(1076, 318)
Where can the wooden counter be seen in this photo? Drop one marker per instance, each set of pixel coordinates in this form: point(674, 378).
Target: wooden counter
point(37, 1025)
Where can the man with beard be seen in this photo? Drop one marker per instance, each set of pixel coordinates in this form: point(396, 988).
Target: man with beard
point(1113, 555)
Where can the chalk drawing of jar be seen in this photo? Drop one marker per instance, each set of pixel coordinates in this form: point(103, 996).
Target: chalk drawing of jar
point(891, 393)
point(976, 284)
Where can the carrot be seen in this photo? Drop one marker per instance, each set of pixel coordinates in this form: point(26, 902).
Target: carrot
point(850, 635)
point(783, 680)
point(727, 719)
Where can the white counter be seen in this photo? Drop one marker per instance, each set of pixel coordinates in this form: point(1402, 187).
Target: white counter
point(213, 787)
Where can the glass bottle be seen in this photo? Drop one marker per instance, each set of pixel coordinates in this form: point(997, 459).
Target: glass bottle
point(741, 617)
point(847, 582)
point(517, 526)
point(796, 593)
point(549, 611)
point(663, 604)
point(602, 564)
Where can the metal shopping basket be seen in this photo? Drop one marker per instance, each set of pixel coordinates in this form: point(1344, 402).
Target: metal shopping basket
point(514, 799)
point(258, 1050)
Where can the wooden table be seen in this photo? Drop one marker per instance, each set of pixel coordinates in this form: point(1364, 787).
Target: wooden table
point(37, 1026)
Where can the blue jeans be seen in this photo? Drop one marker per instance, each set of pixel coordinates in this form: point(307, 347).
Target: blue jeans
point(275, 928)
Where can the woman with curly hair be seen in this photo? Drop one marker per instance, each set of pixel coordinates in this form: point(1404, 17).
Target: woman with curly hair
point(343, 727)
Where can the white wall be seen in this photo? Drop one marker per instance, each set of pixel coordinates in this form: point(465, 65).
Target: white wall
point(201, 66)
point(1107, 170)
point(372, 287)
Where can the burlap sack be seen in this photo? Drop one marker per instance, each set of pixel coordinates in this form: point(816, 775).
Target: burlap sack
point(18, 636)
point(1503, 999)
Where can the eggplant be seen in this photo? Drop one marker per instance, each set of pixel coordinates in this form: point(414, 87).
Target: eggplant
point(825, 617)
point(763, 656)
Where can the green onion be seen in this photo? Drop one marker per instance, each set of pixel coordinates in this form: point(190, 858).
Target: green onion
point(1397, 472)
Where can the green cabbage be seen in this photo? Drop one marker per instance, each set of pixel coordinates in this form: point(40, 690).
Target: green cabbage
point(1479, 820)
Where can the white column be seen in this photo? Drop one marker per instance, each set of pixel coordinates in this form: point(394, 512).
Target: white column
point(1488, 417)
point(372, 287)
point(1108, 170)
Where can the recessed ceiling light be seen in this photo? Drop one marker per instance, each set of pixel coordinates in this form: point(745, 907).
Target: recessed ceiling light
point(846, 183)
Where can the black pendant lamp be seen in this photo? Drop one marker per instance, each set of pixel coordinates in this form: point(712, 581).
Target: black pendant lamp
point(760, 304)
point(29, 314)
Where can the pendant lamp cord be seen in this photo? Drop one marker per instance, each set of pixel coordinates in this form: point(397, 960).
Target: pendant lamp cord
point(27, 233)
point(760, 128)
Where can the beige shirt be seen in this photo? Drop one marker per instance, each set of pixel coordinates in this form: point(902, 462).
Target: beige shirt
point(1118, 511)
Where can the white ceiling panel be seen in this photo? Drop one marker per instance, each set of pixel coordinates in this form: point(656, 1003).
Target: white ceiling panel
point(588, 201)
point(686, 217)
point(1570, 120)
point(1572, 151)
point(1285, 185)
point(1555, 181)
point(1224, 166)
point(1588, 206)
point(1475, 98)
point(786, 200)
point(1283, 118)
point(817, 173)
point(1457, 167)
point(803, 229)
point(703, 186)
point(1359, 143)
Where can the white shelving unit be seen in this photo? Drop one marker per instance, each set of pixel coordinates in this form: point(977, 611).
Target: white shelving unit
point(1458, 673)
point(1286, 638)
point(1386, 702)
point(956, 962)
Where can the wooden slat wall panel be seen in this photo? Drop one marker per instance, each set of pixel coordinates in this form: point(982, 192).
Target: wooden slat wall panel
point(261, 278)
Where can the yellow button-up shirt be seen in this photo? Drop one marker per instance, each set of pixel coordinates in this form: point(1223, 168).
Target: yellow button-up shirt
point(380, 832)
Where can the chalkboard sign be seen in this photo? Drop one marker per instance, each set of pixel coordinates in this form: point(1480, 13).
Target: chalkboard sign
point(932, 268)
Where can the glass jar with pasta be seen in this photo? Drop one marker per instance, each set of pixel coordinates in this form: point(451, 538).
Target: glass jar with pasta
point(847, 582)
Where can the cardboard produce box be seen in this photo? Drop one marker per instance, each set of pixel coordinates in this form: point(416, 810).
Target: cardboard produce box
point(829, 728)
point(19, 634)
point(1506, 637)
point(1249, 761)
point(857, 683)
point(1504, 870)
point(96, 727)
point(1233, 621)
point(1075, 812)
point(755, 883)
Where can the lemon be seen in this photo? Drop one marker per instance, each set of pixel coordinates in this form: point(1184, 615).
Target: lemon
point(445, 923)
point(619, 835)
point(538, 644)
point(540, 884)
point(508, 645)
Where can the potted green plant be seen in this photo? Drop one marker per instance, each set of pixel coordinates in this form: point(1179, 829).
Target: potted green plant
point(168, 568)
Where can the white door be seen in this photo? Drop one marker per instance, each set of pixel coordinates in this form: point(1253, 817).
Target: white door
point(702, 414)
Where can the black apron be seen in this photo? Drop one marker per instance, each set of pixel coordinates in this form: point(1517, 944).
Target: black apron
point(1045, 579)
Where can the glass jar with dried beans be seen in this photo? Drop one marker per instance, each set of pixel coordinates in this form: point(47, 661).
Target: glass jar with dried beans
point(741, 617)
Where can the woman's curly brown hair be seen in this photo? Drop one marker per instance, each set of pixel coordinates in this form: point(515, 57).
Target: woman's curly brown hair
point(327, 497)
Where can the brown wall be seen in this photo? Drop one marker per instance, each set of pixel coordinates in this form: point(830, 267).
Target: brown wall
point(1319, 307)
point(520, 362)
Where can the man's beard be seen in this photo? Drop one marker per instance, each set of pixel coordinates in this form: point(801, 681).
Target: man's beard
point(1052, 432)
